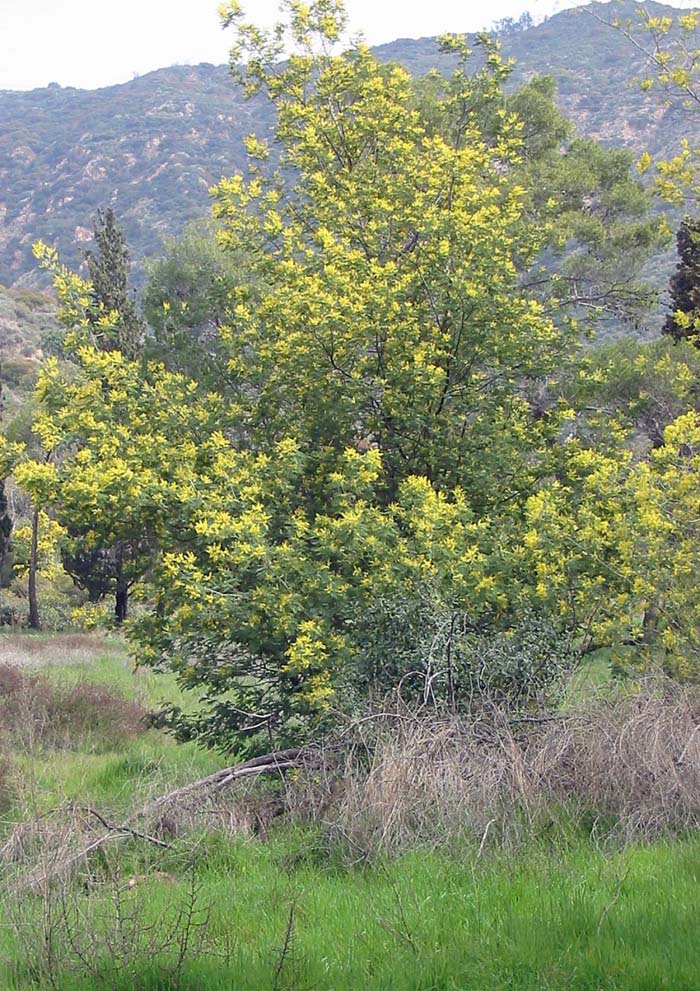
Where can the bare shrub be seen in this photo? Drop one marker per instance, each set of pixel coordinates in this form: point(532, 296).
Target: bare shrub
point(636, 761)
point(249, 809)
point(630, 765)
point(439, 656)
point(58, 716)
point(408, 781)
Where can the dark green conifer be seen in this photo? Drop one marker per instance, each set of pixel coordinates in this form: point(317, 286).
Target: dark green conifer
point(683, 322)
point(109, 268)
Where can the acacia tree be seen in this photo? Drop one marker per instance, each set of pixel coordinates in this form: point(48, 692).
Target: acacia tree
point(668, 46)
point(379, 440)
point(127, 446)
point(387, 349)
point(107, 559)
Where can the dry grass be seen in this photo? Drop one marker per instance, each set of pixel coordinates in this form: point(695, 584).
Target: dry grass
point(627, 768)
point(395, 780)
point(23, 650)
point(630, 767)
point(38, 713)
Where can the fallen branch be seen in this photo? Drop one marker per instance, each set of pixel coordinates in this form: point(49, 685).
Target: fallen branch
point(114, 827)
point(280, 760)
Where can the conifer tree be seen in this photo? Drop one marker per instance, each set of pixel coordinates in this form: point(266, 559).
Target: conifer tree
point(683, 322)
point(109, 275)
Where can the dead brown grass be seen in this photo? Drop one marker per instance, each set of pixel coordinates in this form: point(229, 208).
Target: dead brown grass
point(628, 767)
point(28, 651)
point(625, 768)
point(40, 713)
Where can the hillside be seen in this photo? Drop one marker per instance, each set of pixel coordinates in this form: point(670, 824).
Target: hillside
point(26, 318)
point(153, 147)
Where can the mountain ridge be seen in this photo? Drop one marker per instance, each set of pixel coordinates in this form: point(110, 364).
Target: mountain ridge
point(151, 148)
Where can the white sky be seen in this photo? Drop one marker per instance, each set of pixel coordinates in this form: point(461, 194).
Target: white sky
point(91, 43)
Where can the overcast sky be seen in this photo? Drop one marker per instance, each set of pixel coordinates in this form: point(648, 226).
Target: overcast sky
point(91, 43)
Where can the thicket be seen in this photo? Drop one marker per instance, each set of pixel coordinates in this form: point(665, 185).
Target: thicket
point(143, 878)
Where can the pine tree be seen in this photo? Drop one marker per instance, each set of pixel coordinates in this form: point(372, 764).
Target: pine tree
point(109, 275)
point(683, 322)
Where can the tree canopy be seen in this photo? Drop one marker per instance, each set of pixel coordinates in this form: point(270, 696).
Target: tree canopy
point(380, 467)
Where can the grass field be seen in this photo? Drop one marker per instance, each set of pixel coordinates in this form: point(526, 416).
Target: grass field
point(560, 912)
point(558, 919)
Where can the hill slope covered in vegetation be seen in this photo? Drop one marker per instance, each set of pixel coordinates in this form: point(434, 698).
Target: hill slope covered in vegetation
point(152, 148)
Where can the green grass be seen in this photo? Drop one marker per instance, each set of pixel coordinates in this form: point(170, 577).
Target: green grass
point(108, 778)
point(112, 667)
point(563, 914)
point(551, 919)
point(592, 677)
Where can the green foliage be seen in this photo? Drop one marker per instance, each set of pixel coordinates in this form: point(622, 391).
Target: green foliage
point(626, 393)
point(383, 426)
point(186, 300)
point(614, 546)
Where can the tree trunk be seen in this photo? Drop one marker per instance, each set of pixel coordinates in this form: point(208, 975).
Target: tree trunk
point(122, 601)
point(5, 539)
point(34, 621)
